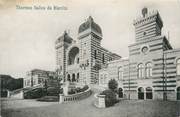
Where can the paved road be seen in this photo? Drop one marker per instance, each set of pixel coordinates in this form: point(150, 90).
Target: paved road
point(32, 108)
point(86, 108)
point(26, 103)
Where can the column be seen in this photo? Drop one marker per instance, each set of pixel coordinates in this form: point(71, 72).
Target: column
point(101, 101)
point(61, 98)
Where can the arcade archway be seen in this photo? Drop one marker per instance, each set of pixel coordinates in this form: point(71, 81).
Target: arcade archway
point(73, 78)
point(77, 77)
point(140, 93)
point(73, 56)
point(178, 93)
point(120, 93)
point(69, 77)
point(149, 93)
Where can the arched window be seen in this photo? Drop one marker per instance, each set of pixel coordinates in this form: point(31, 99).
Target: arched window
point(140, 71)
point(178, 67)
point(77, 77)
point(68, 77)
point(103, 59)
point(95, 54)
point(120, 73)
point(148, 70)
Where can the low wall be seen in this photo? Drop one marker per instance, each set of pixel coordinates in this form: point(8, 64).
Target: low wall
point(18, 94)
point(100, 101)
point(74, 97)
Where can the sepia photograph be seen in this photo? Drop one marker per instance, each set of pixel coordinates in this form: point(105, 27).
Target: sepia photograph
point(90, 58)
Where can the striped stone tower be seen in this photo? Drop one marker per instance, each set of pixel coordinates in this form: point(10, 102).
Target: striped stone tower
point(61, 45)
point(146, 56)
point(148, 25)
point(89, 37)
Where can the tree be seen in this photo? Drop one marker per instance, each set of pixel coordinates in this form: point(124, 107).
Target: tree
point(113, 84)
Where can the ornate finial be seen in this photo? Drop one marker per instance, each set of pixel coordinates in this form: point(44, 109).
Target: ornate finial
point(90, 18)
point(68, 31)
point(65, 32)
point(144, 11)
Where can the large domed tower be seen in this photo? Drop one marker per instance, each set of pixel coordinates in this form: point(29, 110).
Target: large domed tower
point(89, 36)
point(61, 45)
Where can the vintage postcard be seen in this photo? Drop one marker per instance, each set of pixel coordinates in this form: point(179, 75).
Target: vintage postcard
point(90, 58)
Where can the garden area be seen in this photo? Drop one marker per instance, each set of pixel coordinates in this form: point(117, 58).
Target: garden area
point(86, 108)
point(110, 94)
point(51, 94)
point(44, 94)
point(78, 90)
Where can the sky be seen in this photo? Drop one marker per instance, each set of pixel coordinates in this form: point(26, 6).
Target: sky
point(27, 37)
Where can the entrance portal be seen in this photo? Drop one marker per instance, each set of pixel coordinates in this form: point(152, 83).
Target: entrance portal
point(69, 78)
point(120, 93)
point(73, 78)
point(178, 93)
point(140, 93)
point(149, 94)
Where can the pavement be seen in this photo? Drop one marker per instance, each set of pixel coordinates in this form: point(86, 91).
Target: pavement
point(86, 108)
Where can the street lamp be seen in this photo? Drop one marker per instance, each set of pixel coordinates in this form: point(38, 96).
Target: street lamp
point(164, 77)
point(129, 79)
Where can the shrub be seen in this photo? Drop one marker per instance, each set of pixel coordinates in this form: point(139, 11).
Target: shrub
point(78, 89)
point(53, 91)
point(35, 93)
point(3, 93)
point(72, 91)
point(85, 88)
point(112, 84)
point(110, 97)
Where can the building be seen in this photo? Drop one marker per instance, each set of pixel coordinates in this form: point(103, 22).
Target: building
point(81, 60)
point(152, 70)
point(37, 77)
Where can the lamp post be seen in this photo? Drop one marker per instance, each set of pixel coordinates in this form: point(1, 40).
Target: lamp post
point(129, 79)
point(59, 76)
point(164, 77)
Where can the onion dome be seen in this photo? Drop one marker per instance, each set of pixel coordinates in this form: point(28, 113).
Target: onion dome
point(90, 24)
point(64, 38)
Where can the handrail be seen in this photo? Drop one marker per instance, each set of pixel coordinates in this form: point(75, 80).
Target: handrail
point(77, 96)
point(23, 89)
